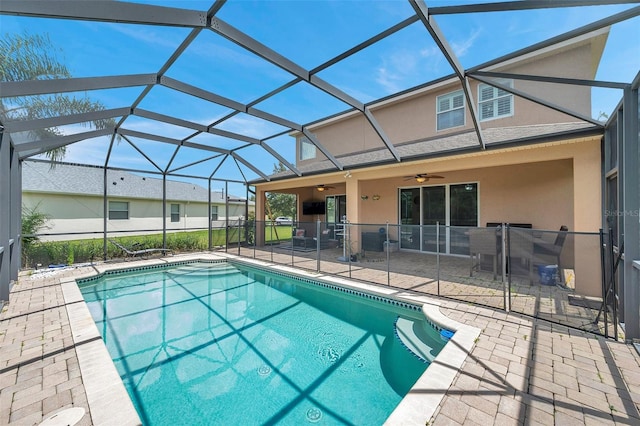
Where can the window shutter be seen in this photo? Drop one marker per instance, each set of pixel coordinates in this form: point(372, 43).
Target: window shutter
point(458, 101)
point(504, 106)
point(444, 104)
point(486, 110)
point(486, 92)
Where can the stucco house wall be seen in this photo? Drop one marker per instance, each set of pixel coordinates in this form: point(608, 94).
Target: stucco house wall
point(412, 117)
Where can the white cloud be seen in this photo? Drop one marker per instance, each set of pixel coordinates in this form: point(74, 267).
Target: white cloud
point(461, 47)
point(147, 35)
point(158, 128)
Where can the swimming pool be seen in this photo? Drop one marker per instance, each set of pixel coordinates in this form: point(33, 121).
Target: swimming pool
point(216, 343)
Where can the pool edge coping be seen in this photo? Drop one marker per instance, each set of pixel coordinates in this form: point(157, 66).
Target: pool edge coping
point(102, 388)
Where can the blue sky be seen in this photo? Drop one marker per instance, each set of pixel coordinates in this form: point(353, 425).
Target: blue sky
point(308, 33)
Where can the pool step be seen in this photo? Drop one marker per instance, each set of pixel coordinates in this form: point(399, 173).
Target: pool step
point(202, 271)
point(414, 336)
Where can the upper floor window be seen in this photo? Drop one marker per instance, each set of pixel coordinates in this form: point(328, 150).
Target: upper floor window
point(118, 210)
point(307, 149)
point(450, 110)
point(175, 212)
point(494, 102)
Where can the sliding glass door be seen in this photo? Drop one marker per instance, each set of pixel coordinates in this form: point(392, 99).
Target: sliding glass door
point(454, 207)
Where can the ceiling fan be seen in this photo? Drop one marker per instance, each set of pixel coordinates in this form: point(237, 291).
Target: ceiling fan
point(423, 177)
point(323, 187)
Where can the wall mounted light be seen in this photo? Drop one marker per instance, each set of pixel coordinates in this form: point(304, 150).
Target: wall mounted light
point(364, 197)
point(348, 174)
point(375, 197)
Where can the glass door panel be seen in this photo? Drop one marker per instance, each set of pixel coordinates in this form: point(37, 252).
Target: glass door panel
point(463, 213)
point(336, 211)
point(434, 211)
point(410, 218)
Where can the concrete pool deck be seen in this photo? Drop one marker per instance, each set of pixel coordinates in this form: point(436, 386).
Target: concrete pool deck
point(520, 370)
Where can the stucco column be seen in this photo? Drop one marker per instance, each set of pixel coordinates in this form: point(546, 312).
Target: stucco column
point(587, 213)
point(260, 215)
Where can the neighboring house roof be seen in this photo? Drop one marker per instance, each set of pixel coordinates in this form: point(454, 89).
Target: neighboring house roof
point(83, 180)
point(457, 143)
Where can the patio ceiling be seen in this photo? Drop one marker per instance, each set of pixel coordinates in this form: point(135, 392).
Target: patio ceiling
point(215, 90)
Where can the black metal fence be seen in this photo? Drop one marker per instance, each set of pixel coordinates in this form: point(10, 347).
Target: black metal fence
point(556, 275)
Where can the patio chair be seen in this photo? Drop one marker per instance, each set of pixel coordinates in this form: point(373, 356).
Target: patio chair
point(300, 239)
point(325, 239)
point(141, 252)
point(544, 250)
point(483, 242)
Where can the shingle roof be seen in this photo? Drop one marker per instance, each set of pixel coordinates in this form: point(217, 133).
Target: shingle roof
point(460, 142)
point(68, 179)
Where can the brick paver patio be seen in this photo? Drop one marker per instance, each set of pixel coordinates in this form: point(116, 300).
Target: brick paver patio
point(521, 370)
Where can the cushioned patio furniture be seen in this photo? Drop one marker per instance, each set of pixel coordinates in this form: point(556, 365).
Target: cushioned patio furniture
point(325, 240)
point(549, 252)
point(374, 241)
point(300, 239)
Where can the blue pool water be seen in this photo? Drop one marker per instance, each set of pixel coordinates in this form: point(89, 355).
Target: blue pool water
point(222, 344)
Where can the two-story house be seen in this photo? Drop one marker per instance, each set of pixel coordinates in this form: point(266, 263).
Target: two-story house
point(538, 166)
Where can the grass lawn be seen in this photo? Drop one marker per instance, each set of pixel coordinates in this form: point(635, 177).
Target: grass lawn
point(87, 250)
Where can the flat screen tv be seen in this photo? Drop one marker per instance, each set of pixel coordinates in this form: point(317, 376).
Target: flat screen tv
point(312, 207)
